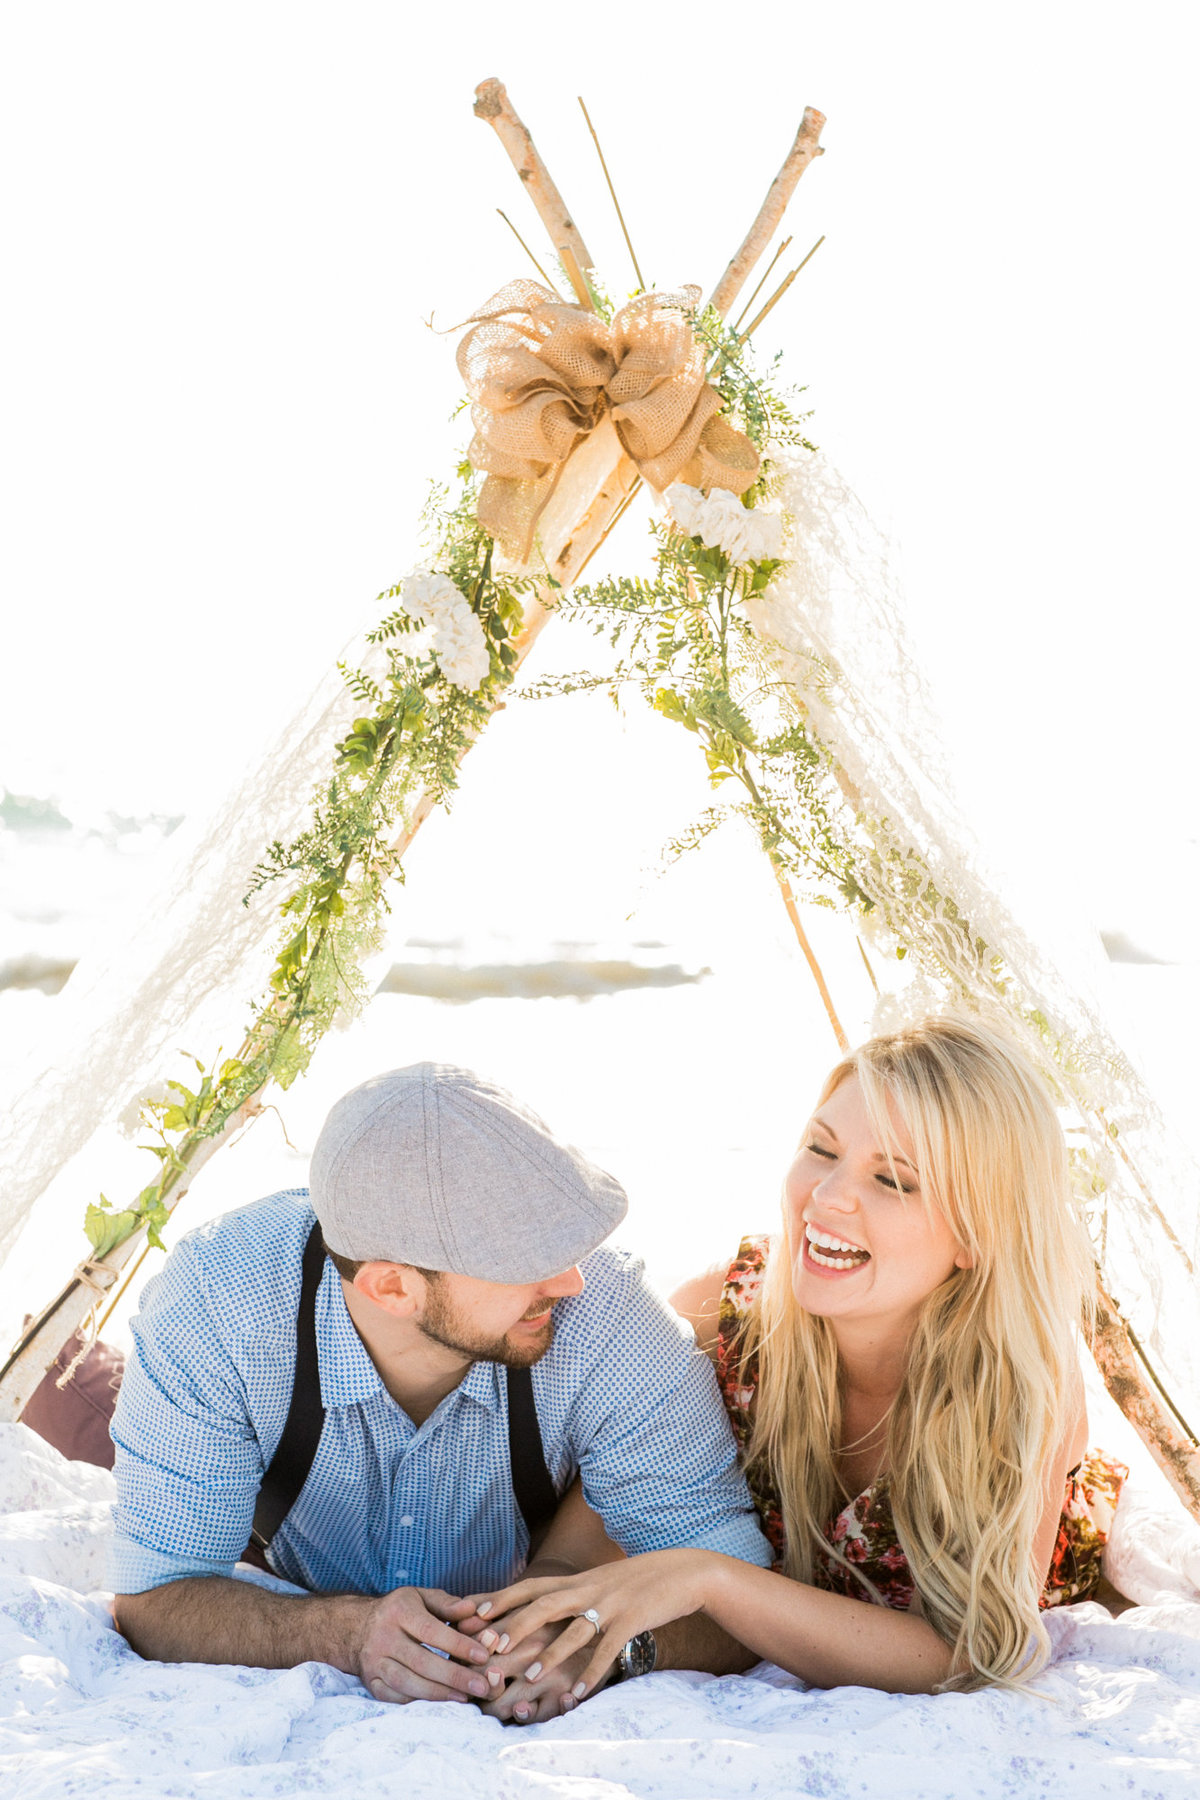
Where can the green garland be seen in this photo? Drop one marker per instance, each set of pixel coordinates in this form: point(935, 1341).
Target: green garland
point(684, 642)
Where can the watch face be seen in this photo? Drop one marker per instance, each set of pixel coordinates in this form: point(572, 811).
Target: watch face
point(639, 1655)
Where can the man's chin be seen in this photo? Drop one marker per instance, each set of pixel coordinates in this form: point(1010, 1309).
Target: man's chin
point(523, 1348)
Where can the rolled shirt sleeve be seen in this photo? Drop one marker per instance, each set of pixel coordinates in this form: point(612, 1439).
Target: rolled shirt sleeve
point(188, 1462)
point(656, 1450)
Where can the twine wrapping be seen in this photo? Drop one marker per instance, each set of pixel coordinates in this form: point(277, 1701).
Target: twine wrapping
point(542, 374)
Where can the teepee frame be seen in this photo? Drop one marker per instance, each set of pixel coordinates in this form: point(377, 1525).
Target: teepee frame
point(598, 483)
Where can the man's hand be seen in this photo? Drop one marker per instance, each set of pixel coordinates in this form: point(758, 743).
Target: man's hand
point(397, 1660)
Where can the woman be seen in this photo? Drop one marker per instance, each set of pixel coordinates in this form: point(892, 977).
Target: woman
point(901, 1370)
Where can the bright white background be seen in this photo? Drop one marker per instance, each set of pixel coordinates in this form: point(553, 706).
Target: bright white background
point(225, 227)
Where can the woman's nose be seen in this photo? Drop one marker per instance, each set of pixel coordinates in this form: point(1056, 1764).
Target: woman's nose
point(837, 1189)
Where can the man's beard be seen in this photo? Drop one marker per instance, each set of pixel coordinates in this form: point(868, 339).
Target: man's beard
point(447, 1327)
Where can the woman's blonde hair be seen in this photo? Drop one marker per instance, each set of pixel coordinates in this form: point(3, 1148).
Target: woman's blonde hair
point(993, 1355)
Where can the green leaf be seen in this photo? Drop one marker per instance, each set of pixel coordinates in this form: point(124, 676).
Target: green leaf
point(155, 1215)
point(106, 1229)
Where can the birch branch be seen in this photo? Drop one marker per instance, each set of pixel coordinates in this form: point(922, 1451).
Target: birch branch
point(1130, 1381)
point(806, 147)
point(55, 1326)
point(494, 107)
point(593, 492)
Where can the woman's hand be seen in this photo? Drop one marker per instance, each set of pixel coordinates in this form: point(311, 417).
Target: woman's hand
point(628, 1597)
point(547, 1696)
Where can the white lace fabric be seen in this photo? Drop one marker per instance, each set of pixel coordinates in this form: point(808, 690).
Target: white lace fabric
point(837, 615)
point(190, 969)
point(185, 976)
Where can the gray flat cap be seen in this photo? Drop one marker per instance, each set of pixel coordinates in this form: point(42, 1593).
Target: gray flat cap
point(435, 1166)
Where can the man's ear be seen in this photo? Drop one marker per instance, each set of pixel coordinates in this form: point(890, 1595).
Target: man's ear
point(395, 1287)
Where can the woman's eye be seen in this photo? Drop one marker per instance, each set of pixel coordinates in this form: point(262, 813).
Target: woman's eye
point(818, 1151)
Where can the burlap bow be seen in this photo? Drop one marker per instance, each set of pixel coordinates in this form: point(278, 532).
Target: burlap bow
point(542, 374)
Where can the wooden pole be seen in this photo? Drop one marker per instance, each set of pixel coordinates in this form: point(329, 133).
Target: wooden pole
point(807, 145)
point(1132, 1383)
point(494, 107)
point(793, 913)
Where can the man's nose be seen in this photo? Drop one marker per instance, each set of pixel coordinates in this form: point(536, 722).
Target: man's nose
point(564, 1286)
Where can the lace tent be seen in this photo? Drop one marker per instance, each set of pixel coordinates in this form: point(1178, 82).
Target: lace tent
point(834, 656)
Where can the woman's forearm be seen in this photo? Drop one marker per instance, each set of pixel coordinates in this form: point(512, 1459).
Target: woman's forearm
point(827, 1639)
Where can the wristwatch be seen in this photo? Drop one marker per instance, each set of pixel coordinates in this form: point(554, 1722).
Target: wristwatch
point(637, 1657)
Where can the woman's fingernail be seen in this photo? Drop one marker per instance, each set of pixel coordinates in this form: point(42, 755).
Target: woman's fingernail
point(533, 1671)
point(495, 1677)
point(502, 1646)
point(484, 1608)
point(568, 1703)
point(579, 1690)
point(488, 1638)
point(521, 1712)
point(479, 1687)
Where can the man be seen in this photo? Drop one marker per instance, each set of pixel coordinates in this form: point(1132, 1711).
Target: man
point(455, 1250)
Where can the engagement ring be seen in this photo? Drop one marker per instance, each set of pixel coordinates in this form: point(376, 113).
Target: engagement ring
point(593, 1619)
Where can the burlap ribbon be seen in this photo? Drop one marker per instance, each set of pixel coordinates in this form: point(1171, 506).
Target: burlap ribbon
point(542, 374)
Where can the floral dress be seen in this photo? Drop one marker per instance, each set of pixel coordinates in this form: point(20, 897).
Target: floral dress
point(863, 1533)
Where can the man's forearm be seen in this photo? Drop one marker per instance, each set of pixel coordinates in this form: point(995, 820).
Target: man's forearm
point(213, 1619)
point(697, 1643)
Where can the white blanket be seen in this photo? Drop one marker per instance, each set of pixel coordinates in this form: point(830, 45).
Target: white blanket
point(80, 1714)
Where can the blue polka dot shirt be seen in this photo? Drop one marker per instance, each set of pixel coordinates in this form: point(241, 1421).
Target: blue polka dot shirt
point(622, 1395)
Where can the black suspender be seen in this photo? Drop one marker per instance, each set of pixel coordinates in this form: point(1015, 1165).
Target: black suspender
point(534, 1491)
point(289, 1467)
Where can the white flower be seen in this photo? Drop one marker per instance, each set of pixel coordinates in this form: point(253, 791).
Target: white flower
point(461, 647)
point(722, 522)
point(458, 641)
point(686, 506)
point(766, 544)
point(426, 592)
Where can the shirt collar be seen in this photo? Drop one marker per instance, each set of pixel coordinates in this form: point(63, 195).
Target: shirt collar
point(348, 1375)
point(482, 1382)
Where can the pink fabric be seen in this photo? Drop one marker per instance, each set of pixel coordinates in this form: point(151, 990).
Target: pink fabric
point(75, 1418)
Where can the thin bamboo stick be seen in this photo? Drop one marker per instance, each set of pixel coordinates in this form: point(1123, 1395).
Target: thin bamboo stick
point(762, 282)
point(780, 291)
point(862, 951)
point(525, 247)
point(494, 107)
point(613, 193)
point(806, 146)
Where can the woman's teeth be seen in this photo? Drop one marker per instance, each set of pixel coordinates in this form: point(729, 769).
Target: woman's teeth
point(831, 1252)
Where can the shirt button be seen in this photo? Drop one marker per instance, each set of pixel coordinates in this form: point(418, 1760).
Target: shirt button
point(406, 1520)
